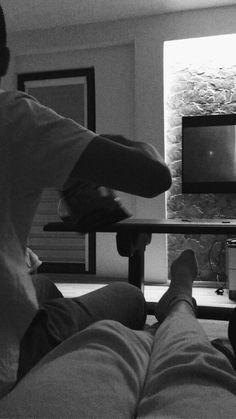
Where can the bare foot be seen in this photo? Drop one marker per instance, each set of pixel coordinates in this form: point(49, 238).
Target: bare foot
point(184, 271)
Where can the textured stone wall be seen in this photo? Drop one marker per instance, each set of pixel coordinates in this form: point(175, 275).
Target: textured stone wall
point(197, 90)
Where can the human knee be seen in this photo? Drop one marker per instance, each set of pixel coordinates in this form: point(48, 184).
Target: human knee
point(132, 296)
point(131, 302)
point(128, 290)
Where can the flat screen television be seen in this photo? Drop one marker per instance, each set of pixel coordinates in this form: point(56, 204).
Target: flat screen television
point(209, 154)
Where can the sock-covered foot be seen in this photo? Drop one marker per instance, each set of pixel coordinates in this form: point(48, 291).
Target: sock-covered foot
point(183, 271)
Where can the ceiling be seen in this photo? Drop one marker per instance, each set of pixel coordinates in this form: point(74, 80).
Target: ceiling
point(34, 14)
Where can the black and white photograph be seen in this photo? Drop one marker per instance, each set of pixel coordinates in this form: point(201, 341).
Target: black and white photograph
point(117, 209)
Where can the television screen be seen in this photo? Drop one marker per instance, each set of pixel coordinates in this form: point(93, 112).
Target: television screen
point(209, 154)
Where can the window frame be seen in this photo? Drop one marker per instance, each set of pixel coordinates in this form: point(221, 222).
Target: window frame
point(69, 75)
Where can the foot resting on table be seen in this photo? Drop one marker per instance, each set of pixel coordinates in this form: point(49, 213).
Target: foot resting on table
point(183, 271)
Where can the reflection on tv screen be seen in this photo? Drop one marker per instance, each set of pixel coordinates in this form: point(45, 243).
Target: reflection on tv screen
point(209, 154)
point(209, 157)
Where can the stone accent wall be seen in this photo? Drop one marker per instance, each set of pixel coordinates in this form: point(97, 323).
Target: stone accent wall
point(197, 90)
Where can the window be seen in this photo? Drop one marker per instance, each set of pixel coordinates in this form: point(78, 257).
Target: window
point(70, 93)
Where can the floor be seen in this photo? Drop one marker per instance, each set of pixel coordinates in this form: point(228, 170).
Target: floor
point(203, 296)
point(152, 293)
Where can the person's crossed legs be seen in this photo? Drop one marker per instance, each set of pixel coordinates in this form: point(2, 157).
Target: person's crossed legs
point(178, 297)
point(60, 318)
point(187, 376)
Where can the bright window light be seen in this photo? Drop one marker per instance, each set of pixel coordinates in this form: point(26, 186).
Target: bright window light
point(210, 50)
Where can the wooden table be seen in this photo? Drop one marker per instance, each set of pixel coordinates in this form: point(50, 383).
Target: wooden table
point(133, 235)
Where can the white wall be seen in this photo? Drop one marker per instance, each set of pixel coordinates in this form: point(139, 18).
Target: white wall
point(147, 36)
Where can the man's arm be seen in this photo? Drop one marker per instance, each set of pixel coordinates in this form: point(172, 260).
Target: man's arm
point(118, 163)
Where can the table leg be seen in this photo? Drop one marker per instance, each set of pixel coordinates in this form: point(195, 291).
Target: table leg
point(133, 246)
point(136, 269)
